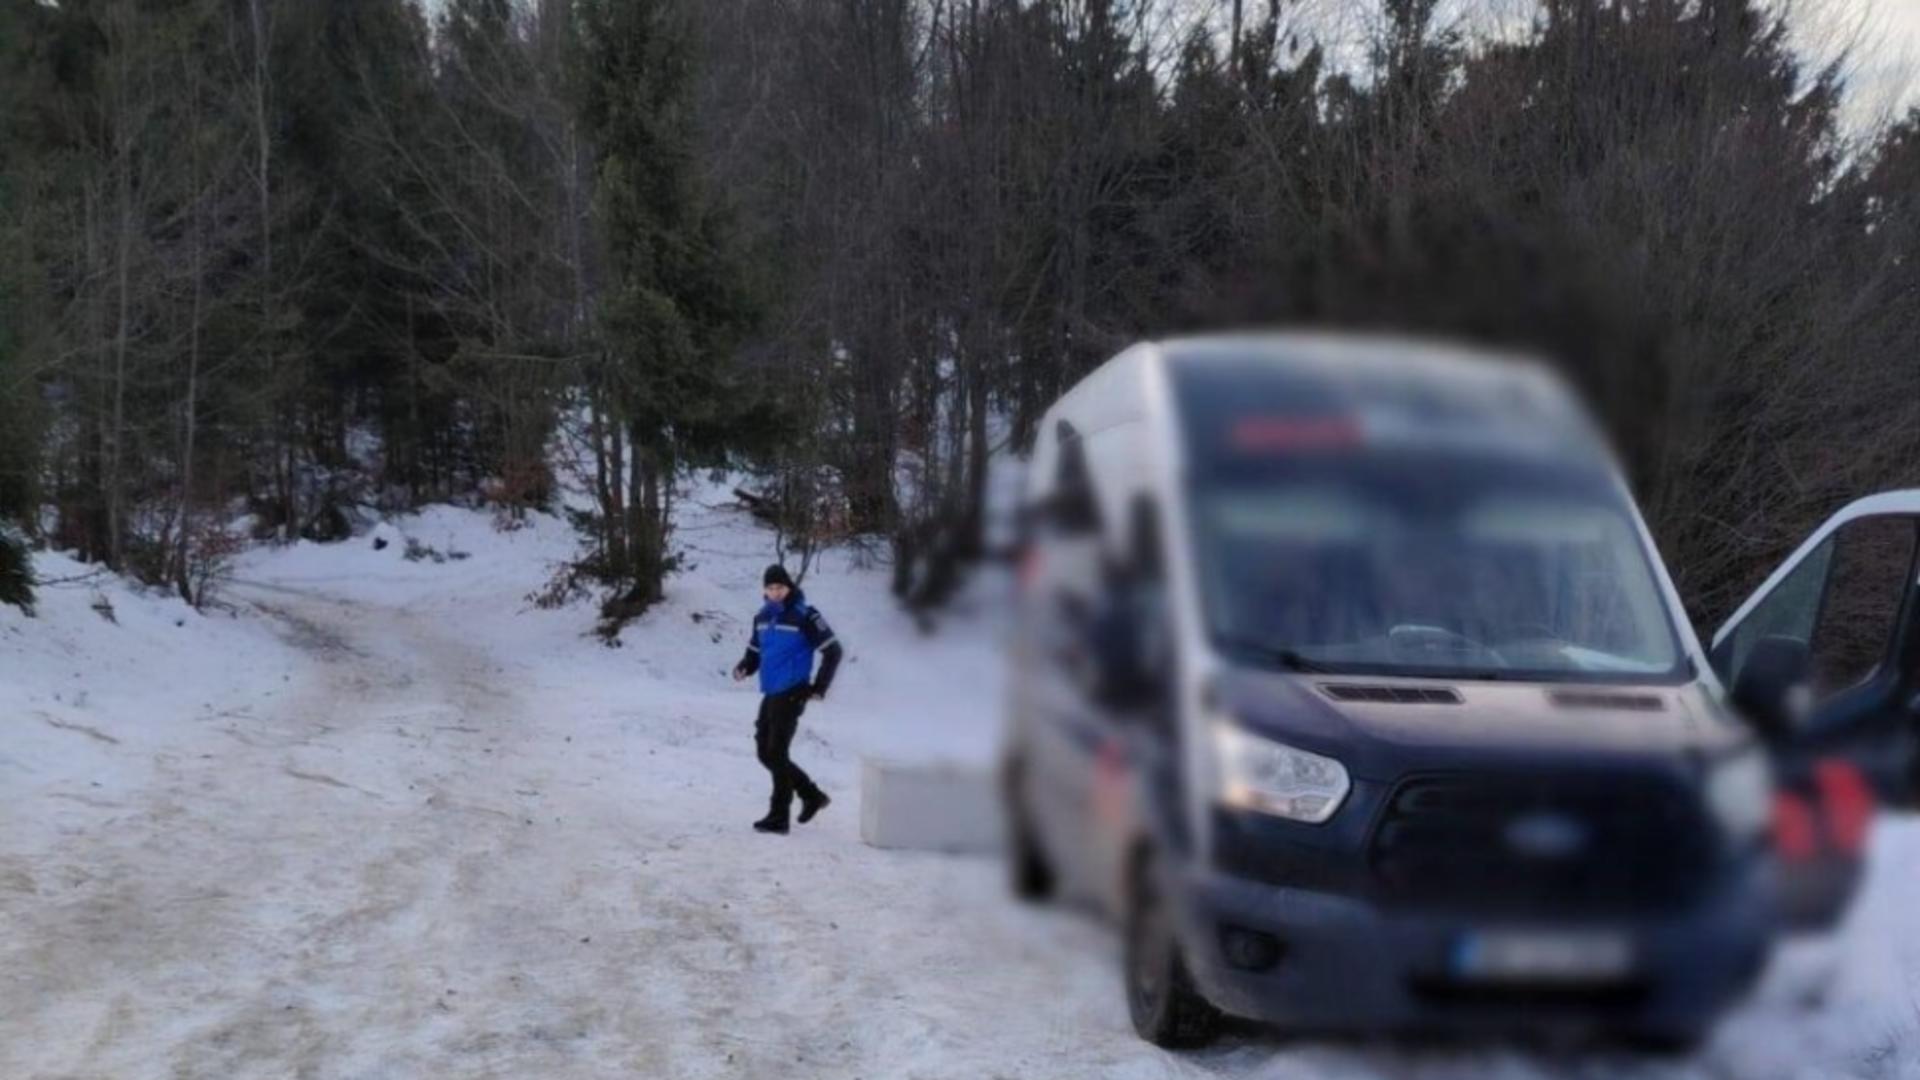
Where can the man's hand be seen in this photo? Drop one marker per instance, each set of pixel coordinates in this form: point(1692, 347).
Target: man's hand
point(739, 672)
point(817, 692)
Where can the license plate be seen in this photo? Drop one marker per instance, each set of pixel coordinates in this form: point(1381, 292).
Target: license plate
point(1528, 956)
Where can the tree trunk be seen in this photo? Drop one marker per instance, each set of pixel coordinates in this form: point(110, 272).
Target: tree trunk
point(653, 564)
point(287, 497)
point(639, 544)
point(116, 485)
point(619, 533)
point(181, 568)
point(972, 538)
point(94, 435)
point(1233, 43)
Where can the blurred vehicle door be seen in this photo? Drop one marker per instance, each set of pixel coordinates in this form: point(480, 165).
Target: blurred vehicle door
point(1065, 737)
point(1824, 659)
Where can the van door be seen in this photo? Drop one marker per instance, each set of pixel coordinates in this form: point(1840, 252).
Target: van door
point(1063, 737)
point(1131, 704)
point(1824, 659)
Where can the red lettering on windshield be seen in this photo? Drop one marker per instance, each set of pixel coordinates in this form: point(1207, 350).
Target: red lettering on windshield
point(1281, 434)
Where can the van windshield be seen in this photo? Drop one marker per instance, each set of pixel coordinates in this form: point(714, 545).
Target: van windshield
point(1430, 562)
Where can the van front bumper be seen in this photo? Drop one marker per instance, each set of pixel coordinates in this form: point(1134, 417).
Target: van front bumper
point(1330, 962)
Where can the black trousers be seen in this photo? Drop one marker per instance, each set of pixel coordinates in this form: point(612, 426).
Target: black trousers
point(773, 738)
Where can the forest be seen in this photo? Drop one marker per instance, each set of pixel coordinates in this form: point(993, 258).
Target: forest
point(269, 268)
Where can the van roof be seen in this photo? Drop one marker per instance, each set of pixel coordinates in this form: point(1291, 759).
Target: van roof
point(1332, 353)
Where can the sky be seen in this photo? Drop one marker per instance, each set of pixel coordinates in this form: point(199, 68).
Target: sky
point(1883, 38)
point(1880, 39)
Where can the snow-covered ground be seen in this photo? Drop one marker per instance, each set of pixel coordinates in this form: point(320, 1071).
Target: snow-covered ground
point(386, 818)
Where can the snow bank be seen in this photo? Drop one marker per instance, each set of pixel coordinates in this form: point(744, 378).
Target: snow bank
point(87, 684)
point(1846, 1004)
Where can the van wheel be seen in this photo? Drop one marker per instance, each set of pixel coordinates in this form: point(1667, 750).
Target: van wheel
point(1166, 1008)
point(1028, 870)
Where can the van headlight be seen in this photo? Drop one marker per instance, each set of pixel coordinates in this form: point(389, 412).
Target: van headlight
point(1740, 794)
point(1259, 774)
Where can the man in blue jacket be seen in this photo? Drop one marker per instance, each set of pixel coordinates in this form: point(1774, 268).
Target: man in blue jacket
point(786, 634)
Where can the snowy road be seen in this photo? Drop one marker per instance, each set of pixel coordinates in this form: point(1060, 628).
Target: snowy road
point(412, 840)
point(402, 865)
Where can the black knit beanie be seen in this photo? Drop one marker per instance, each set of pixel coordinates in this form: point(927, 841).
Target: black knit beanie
point(776, 575)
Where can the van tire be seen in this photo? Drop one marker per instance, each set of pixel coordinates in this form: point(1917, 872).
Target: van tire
point(1028, 871)
point(1166, 1009)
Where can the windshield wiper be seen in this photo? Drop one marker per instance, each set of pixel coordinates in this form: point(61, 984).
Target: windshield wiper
point(1291, 659)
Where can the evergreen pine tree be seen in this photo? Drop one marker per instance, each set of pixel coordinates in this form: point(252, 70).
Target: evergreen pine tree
point(19, 430)
point(672, 304)
point(16, 572)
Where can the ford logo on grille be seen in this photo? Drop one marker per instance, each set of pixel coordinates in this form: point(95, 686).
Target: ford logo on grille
point(1546, 836)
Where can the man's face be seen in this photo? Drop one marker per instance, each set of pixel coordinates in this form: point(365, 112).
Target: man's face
point(777, 593)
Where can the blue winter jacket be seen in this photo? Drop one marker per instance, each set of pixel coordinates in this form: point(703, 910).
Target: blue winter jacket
point(784, 639)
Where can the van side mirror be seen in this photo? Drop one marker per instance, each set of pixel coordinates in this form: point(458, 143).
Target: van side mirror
point(1774, 690)
point(1128, 650)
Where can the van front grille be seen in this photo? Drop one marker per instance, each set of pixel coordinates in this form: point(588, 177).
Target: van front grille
point(1536, 844)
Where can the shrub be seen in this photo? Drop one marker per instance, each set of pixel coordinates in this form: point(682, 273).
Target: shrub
point(16, 572)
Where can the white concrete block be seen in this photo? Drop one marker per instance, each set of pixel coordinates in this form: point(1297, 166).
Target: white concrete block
point(935, 806)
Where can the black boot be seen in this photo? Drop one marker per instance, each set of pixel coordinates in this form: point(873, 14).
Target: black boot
point(771, 824)
point(813, 804)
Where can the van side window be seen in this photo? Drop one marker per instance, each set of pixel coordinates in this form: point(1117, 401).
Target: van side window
point(1143, 542)
point(1146, 593)
point(1066, 527)
point(1788, 611)
point(1843, 601)
point(1866, 586)
point(1073, 510)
